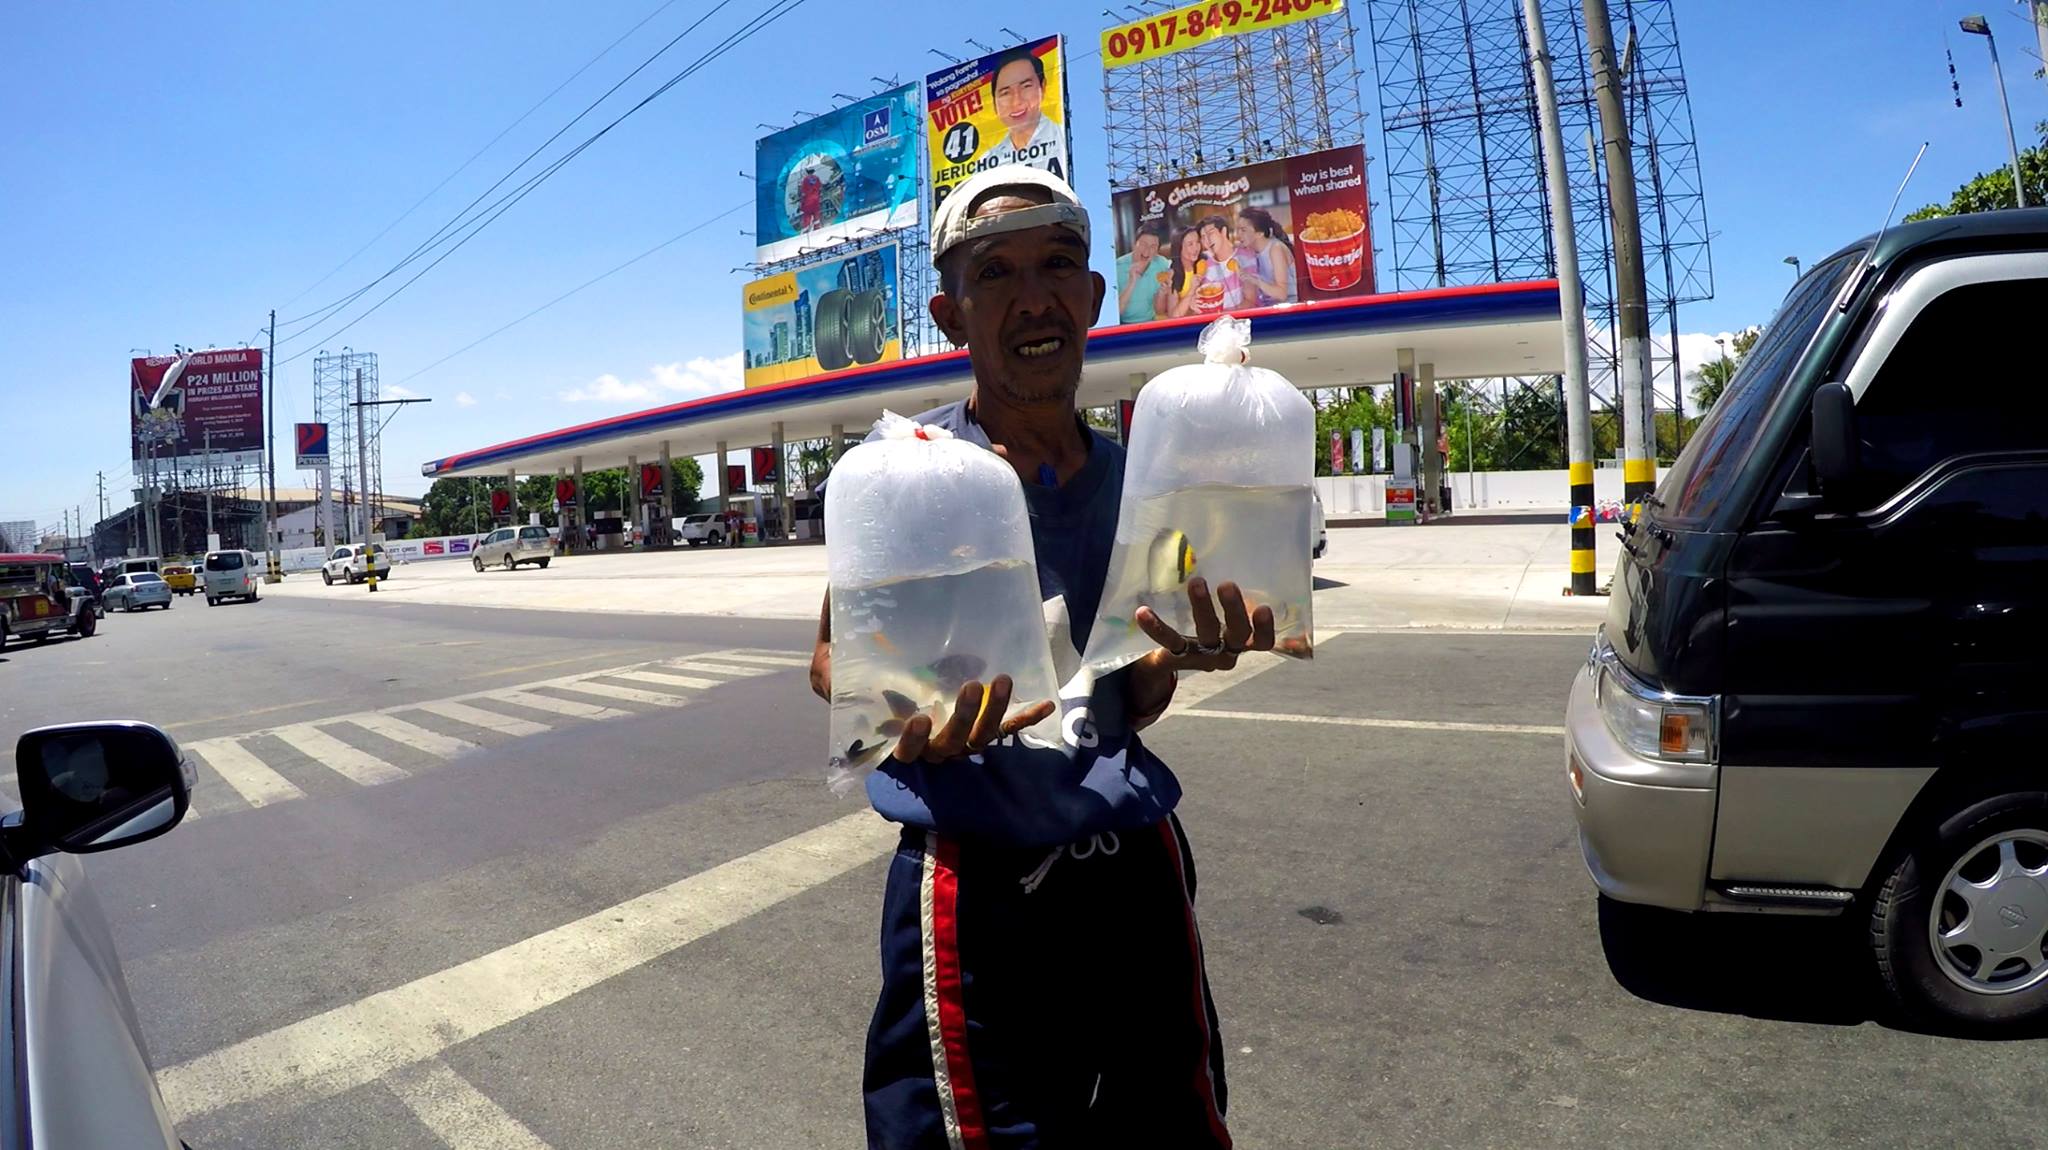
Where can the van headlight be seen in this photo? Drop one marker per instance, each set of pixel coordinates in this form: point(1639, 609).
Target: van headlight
point(1652, 723)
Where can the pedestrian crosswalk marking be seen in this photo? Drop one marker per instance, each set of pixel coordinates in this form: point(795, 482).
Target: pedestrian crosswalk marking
point(488, 720)
point(323, 741)
point(715, 668)
point(558, 706)
point(609, 691)
point(355, 765)
point(256, 783)
point(667, 680)
point(412, 735)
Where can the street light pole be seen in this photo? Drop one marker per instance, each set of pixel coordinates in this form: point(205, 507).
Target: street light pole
point(363, 469)
point(1796, 273)
point(1978, 26)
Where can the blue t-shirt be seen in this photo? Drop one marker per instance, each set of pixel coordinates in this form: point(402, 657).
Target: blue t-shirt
point(1101, 778)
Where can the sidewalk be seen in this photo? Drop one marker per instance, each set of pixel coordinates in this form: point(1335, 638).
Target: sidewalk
point(1447, 575)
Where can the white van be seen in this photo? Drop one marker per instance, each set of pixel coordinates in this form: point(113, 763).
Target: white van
point(231, 575)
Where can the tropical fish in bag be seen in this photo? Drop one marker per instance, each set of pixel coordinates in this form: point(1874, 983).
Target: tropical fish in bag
point(933, 584)
point(1218, 484)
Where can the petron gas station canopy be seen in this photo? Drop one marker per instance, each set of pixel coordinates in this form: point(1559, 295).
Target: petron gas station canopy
point(1481, 332)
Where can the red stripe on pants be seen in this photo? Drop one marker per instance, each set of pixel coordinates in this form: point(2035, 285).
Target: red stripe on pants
point(952, 999)
point(1204, 1085)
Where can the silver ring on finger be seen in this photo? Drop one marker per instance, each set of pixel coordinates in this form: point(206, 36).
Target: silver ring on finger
point(1216, 648)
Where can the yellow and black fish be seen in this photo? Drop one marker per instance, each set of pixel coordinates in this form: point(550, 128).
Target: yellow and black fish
point(1170, 562)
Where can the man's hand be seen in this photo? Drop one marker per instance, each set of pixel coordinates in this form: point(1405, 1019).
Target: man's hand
point(977, 721)
point(1215, 646)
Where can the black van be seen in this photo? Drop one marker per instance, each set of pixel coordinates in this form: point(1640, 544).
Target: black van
point(1822, 686)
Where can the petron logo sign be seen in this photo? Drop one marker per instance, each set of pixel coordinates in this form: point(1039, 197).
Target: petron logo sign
point(311, 442)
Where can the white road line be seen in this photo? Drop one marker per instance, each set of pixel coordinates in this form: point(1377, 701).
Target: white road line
point(478, 717)
point(750, 657)
point(1393, 724)
point(243, 771)
point(626, 694)
point(550, 703)
point(356, 766)
point(667, 680)
point(412, 735)
point(701, 667)
point(457, 1112)
point(345, 1047)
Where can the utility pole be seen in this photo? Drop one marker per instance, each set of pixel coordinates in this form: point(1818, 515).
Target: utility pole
point(1631, 293)
point(2040, 13)
point(274, 565)
point(363, 469)
point(1572, 301)
point(207, 436)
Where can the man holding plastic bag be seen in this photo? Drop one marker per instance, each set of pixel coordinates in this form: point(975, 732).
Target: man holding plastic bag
point(1042, 975)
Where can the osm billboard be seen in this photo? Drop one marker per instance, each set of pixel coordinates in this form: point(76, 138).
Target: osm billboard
point(842, 175)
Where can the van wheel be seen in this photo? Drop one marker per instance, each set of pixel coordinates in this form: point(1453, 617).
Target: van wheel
point(327, 576)
point(86, 626)
point(478, 563)
point(1960, 924)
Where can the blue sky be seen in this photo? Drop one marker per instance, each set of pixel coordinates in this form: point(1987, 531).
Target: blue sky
point(173, 171)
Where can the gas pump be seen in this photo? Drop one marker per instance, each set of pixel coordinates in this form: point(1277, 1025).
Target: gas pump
point(653, 523)
point(568, 516)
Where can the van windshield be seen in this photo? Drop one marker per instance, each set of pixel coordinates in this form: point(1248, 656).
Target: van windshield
point(224, 561)
point(1695, 486)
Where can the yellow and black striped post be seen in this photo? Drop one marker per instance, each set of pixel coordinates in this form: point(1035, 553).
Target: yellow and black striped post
point(1584, 565)
point(1638, 482)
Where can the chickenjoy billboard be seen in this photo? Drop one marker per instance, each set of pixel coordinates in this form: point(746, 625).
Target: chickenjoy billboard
point(185, 406)
point(1274, 232)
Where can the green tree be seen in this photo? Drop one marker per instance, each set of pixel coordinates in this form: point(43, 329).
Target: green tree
point(1711, 378)
point(1990, 191)
point(1340, 410)
point(455, 507)
point(686, 479)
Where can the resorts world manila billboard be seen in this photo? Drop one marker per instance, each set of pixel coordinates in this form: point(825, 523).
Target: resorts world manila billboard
point(838, 177)
point(210, 399)
point(822, 317)
point(1007, 107)
point(1278, 231)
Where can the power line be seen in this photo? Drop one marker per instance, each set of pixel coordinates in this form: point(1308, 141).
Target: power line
point(505, 203)
point(460, 219)
point(678, 237)
point(464, 166)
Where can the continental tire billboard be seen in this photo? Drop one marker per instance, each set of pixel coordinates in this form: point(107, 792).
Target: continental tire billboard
point(1279, 231)
point(845, 174)
point(822, 318)
point(1007, 107)
point(182, 406)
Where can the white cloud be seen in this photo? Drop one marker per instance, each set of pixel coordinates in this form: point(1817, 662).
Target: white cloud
point(464, 399)
point(668, 382)
point(396, 391)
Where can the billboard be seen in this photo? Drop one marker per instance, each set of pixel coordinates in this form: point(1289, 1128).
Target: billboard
point(1278, 231)
point(822, 317)
point(1007, 107)
point(1194, 25)
point(311, 441)
point(186, 403)
point(836, 177)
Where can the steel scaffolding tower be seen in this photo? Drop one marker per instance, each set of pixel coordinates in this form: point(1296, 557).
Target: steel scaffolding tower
point(1234, 100)
point(334, 394)
point(1464, 167)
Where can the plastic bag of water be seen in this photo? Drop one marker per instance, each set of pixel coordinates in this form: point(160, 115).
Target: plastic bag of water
point(1218, 482)
point(933, 584)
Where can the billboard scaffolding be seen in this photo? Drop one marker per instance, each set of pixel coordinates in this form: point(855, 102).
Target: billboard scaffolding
point(335, 382)
point(1464, 168)
point(1250, 91)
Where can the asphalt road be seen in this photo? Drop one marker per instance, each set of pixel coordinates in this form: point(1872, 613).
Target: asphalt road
point(649, 925)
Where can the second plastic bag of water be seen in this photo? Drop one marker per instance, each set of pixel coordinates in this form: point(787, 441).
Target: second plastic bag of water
point(933, 585)
point(1218, 484)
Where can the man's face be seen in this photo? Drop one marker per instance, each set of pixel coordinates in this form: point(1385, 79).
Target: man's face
point(1022, 302)
point(1018, 93)
point(1146, 248)
point(1214, 237)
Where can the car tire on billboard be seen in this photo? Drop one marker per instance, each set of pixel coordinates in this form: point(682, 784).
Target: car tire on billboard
point(867, 330)
point(829, 337)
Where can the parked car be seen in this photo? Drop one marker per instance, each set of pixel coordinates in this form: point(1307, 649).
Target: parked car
point(138, 591)
point(80, 1069)
point(1318, 532)
point(183, 578)
point(37, 600)
point(348, 564)
point(231, 575)
point(1819, 687)
point(701, 528)
point(508, 547)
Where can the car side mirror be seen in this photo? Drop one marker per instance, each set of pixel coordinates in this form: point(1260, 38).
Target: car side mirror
point(89, 787)
point(1834, 435)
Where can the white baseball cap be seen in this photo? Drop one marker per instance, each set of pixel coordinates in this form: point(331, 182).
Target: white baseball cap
point(954, 222)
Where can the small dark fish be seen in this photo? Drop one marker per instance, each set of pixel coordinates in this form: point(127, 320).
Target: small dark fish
point(953, 671)
point(900, 705)
point(862, 753)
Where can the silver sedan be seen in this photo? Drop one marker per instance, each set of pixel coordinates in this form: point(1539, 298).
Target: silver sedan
point(137, 591)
